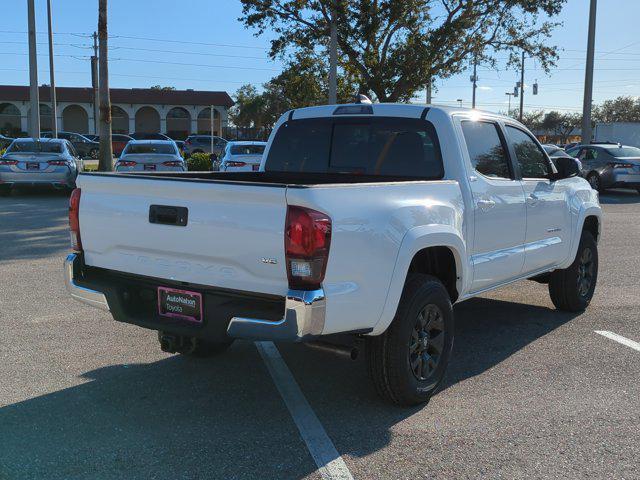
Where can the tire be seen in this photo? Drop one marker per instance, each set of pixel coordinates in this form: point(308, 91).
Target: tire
point(571, 289)
point(393, 358)
point(5, 190)
point(595, 181)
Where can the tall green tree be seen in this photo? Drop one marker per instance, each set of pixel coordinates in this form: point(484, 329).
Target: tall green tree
point(395, 46)
point(620, 109)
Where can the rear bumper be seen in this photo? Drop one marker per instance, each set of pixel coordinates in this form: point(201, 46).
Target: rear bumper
point(131, 299)
point(66, 178)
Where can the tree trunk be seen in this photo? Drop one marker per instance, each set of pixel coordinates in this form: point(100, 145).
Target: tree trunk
point(105, 163)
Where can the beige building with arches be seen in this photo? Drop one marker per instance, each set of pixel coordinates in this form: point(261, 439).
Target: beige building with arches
point(176, 113)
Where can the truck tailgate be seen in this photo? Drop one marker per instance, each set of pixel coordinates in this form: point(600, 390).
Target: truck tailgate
point(233, 238)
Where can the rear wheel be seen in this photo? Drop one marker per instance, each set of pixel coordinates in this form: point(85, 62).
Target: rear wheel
point(595, 181)
point(407, 363)
point(571, 289)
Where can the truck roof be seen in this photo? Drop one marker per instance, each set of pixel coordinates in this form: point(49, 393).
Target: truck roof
point(382, 109)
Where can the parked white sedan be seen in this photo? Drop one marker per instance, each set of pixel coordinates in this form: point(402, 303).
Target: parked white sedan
point(150, 155)
point(242, 156)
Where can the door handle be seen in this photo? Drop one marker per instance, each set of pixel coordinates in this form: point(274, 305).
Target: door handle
point(486, 204)
point(533, 199)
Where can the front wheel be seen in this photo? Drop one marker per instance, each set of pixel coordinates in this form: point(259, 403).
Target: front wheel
point(407, 363)
point(571, 289)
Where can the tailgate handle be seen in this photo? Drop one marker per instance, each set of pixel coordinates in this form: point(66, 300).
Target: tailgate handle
point(168, 215)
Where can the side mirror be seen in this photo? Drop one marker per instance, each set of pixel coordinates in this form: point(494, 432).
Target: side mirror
point(567, 167)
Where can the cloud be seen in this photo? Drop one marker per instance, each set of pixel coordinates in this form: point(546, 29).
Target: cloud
point(482, 87)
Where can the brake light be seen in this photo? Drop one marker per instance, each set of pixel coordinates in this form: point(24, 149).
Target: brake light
point(187, 141)
point(57, 163)
point(126, 163)
point(235, 164)
point(74, 220)
point(8, 162)
point(307, 242)
point(173, 163)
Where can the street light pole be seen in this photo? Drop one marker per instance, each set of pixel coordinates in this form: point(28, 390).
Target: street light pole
point(333, 57)
point(474, 79)
point(54, 103)
point(34, 96)
point(521, 89)
point(588, 76)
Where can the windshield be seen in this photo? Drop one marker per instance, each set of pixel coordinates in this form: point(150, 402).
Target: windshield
point(247, 149)
point(35, 147)
point(624, 152)
point(161, 148)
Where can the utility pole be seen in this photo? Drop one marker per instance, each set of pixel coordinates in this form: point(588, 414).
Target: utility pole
point(54, 103)
point(34, 96)
point(521, 89)
point(211, 126)
point(105, 163)
point(588, 76)
point(474, 79)
point(510, 94)
point(94, 81)
point(333, 57)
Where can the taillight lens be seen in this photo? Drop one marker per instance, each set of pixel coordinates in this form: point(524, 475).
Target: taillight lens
point(235, 164)
point(126, 163)
point(8, 162)
point(74, 220)
point(176, 163)
point(57, 163)
point(307, 241)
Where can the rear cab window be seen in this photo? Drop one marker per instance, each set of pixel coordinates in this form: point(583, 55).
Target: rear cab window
point(373, 146)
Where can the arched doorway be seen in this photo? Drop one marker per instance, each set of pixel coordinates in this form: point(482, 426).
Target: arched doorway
point(119, 120)
point(147, 120)
point(75, 119)
point(45, 117)
point(10, 120)
point(204, 121)
point(178, 123)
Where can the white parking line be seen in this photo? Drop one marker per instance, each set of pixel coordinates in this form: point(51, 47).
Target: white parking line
point(329, 462)
point(620, 339)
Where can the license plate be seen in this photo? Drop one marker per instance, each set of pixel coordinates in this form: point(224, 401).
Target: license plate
point(33, 166)
point(150, 167)
point(181, 304)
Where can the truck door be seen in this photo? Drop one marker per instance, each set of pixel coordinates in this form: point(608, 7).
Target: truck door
point(497, 254)
point(547, 240)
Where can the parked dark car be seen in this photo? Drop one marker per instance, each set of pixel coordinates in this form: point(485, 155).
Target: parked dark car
point(92, 137)
point(202, 144)
point(86, 148)
point(180, 145)
point(118, 142)
point(607, 165)
point(149, 136)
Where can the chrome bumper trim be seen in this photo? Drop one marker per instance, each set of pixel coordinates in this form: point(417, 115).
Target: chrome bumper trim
point(82, 294)
point(303, 319)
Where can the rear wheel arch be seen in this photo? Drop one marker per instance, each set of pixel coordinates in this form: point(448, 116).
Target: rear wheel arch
point(439, 262)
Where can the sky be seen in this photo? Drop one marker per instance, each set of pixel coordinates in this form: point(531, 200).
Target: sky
point(200, 44)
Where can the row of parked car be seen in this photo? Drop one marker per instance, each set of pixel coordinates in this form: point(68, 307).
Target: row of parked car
point(57, 161)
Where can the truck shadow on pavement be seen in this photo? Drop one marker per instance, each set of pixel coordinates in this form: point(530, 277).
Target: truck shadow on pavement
point(223, 417)
point(33, 224)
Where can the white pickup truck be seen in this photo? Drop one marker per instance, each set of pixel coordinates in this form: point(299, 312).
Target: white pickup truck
point(365, 220)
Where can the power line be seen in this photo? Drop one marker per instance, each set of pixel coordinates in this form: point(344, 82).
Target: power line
point(185, 42)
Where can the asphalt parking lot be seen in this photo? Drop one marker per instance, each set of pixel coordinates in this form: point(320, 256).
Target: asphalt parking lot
point(531, 392)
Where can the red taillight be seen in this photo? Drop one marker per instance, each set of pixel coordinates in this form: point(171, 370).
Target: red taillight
point(235, 164)
point(307, 241)
point(126, 163)
point(8, 162)
point(74, 220)
point(57, 163)
point(187, 142)
point(176, 163)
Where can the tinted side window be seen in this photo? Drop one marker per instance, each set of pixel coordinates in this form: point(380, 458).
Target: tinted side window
point(486, 150)
point(532, 160)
